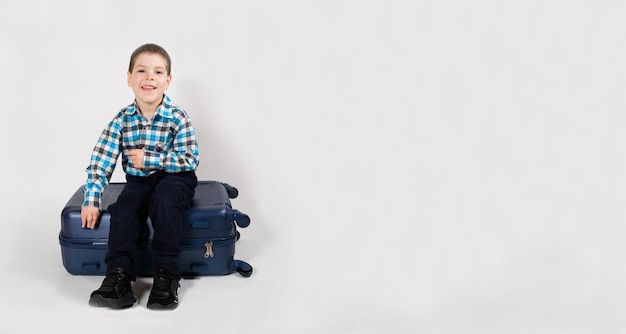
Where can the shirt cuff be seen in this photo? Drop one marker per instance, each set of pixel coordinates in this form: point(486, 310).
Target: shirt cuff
point(152, 160)
point(92, 198)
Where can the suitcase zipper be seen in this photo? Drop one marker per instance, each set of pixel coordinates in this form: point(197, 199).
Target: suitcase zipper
point(210, 245)
point(209, 250)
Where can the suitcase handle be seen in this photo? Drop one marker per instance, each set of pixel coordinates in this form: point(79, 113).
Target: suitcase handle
point(200, 224)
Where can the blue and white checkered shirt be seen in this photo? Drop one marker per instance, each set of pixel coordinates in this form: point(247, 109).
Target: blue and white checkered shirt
point(168, 140)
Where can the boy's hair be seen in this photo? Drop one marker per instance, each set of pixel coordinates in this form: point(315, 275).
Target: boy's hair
point(150, 48)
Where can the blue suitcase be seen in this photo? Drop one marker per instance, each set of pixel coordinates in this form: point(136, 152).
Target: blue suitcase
point(207, 240)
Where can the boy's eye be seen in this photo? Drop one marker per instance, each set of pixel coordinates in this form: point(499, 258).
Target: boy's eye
point(141, 70)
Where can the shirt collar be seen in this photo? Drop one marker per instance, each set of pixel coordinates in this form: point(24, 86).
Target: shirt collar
point(164, 110)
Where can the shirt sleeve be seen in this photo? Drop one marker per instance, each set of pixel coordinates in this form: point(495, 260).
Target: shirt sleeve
point(102, 163)
point(184, 154)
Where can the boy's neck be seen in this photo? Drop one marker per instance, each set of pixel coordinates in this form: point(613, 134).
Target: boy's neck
point(147, 111)
point(147, 115)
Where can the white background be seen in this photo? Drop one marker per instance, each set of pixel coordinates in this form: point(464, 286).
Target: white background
point(409, 166)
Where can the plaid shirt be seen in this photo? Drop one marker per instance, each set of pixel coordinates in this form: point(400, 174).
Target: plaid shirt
point(168, 141)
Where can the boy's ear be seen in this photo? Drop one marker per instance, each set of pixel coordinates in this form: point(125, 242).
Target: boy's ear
point(168, 81)
point(128, 78)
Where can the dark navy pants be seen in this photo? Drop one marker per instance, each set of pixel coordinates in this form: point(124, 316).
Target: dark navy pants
point(161, 196)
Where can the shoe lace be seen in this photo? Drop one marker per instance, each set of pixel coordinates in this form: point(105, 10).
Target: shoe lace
point(162, 283)
point(112, 279)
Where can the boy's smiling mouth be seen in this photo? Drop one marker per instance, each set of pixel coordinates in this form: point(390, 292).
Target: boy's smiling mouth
point(148, 87)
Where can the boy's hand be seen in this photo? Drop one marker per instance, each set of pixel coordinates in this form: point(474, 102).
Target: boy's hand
point(136, 157)
point(89, 216)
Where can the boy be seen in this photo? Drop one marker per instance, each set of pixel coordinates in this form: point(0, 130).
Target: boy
point(159, 156)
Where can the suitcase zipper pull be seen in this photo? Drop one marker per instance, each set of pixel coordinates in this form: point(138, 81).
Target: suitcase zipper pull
point(209, 250)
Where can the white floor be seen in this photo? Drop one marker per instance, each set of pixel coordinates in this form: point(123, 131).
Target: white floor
point(289, 292)
point(312, 282)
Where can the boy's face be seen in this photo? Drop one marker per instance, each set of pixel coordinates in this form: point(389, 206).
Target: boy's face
point(149, 79)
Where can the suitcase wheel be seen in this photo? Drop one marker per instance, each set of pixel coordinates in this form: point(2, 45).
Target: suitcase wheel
point(242, 219)
point(232, 191)
point(237, 235)
point(244, 269)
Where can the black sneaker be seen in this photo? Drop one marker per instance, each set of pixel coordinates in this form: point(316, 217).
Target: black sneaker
point(115, 291)
point(164, 293)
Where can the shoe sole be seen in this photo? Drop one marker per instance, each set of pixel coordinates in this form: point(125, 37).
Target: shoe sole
point(157, 306)
point(153, 304)
point(121, 303)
